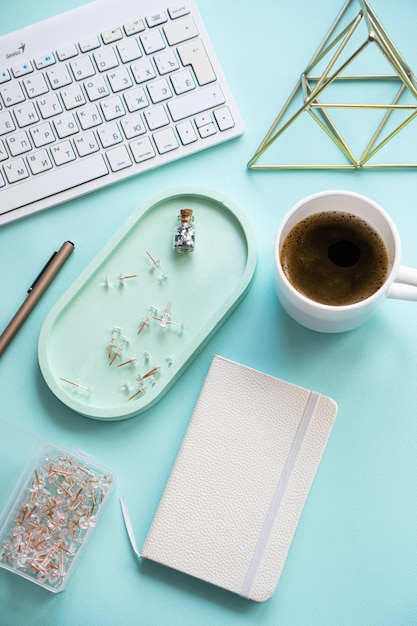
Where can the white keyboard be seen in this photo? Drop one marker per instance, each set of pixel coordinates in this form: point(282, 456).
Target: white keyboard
point(101, 93)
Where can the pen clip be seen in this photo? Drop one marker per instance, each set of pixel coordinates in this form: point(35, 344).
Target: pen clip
point(41, 272)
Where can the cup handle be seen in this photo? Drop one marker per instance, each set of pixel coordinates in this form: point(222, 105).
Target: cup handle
point(405, 285)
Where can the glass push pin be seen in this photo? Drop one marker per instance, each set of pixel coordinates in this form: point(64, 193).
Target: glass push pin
point(136, 393)
point(145, 381)
point(143, 325)
point(151, 372)
point(76, 387)
point(184, 234)
point(118, 281)
point(156, 265)
point(115, 333)
point(123, 341)
point(132, 362)
point(164, 317)
point(122, 278)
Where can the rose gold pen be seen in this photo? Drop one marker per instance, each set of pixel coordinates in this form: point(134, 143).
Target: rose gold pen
point(35, 292)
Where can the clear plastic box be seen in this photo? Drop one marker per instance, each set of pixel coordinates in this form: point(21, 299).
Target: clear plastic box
point(50, 501)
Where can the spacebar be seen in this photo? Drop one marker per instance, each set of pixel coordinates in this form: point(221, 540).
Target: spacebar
point(52, 183)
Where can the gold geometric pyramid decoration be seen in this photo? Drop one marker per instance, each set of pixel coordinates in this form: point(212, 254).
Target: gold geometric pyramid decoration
point(356, 37)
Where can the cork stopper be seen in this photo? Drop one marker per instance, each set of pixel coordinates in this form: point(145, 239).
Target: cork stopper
point(186, 215)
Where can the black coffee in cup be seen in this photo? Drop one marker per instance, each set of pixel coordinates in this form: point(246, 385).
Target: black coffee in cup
point(334, 258)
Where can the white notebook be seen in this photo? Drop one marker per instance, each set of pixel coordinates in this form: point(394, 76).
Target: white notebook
point(232, 503)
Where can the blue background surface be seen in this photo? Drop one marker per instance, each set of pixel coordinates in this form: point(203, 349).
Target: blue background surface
point(354, 556)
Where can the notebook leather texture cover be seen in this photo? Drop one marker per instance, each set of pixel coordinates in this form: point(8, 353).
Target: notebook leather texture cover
point(236, 491)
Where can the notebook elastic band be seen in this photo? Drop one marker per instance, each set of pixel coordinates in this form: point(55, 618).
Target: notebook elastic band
point(279, 494)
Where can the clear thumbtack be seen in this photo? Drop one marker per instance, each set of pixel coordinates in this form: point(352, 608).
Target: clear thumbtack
point(123, 278)
point(122, 343)
point(156, 265)
point(143, 325)
point(115, 333)
point(118, 281)
point(151, 372)
point(164, 317)
point(131, 362)
point(76, 387)
point(137, 393)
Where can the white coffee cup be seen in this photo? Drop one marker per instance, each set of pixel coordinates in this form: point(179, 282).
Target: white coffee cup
point(400, 283)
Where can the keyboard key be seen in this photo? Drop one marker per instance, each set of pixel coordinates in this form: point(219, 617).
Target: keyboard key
point(62, 153)
point(143, 70)
point(182, 82)
point(186, 132)
point(156, 117)
point(44, 60)
point(73, 97)
point(65, 125)
point(119, 79)
point(105, 59)
point(119, 158)
point(133, 27)
point(129, 50)
point(112, 108)
point(72, 175)
point(39, 162)
point(203, 119)
point(59, 76)
point(67, 53)
point(180, 30)
point(159, 91)
point(142, 149)
point(42, 135)
point(22, 69)
point(18, 143)
point(178, 11)
point(156, 19)
point(166, 61)
point(207, 130)
point(133, 126)
point(49, 105)
point(224, 118)
point(112, 35)
point(82, 68)
point(4, 76)
point(194, 53)
point(26, 114)
point(6, 123)
point(136, 99)
point(15, 171)
point(86, 144)
point(152, 41)
point(96, 88)
point(195, 102)
point(35, 85)
point(165, 140)
point(89, 117)
point(91, 43)
point(12, 94)
point(109, 135)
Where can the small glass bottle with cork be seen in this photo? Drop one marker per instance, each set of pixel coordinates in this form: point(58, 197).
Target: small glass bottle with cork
point(184, 234)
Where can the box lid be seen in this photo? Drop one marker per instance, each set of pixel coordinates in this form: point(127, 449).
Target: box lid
point(18, 448)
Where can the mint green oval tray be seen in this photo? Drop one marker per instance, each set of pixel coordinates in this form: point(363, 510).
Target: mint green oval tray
point(166, 305)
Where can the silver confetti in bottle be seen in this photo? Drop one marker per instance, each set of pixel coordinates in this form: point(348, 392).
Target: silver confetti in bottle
point(184, 234)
